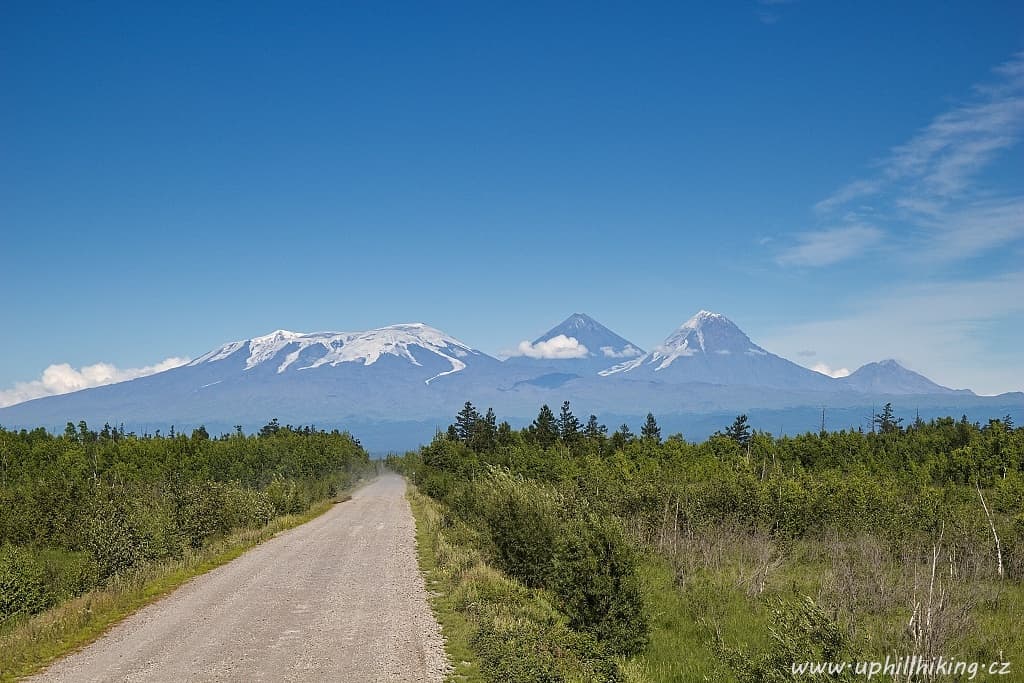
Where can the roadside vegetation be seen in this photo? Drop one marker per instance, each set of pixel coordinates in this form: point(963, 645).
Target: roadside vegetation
point(94, 525)
point(564, 553)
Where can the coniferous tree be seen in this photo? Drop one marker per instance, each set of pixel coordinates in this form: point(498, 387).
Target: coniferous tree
point(544, 430)
point(620, 438)
point(739, 431)
point(271, 428)
point(885, 420)
point(504, 436)
point(593, 430)
point(485, 432)
point(651, 431)
point(465, 423)
point(568, 425)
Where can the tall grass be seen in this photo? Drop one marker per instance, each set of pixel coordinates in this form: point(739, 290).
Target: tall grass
point(496, 628)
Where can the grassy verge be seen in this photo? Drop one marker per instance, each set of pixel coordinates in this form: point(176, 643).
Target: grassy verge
point(439, 560)
point(30, 644)
point(495, 628)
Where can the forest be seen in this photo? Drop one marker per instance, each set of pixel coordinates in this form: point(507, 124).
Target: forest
point(80, 509)
point(564, 551)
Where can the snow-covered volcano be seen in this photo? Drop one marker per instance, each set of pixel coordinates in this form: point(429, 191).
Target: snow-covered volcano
point(420, 345)
point(710, 348)
point(401, 382)
point(579, 345)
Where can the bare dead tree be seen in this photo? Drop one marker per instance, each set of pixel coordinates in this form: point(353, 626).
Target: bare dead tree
point(999, 548)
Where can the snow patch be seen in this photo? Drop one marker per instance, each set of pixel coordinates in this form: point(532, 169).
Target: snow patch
point(348, 347)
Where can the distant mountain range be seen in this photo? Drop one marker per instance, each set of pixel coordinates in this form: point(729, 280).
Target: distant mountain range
point(394, 385)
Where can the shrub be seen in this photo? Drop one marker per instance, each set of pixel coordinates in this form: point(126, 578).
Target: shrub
point(111, 539)
point(244, 507)
point(524, 519)
point(200, 512)
point(799, 632)
point(22, 582)
point(285, 496)
point(68, 574)
point(595, 578)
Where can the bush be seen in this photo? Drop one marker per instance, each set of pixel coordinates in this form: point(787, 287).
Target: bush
point(246, 508)
point(68, 574)
point(285, 496)
point(595, 577)
point(22, 583)
point(200, 512)
point(799, 632)
point(111, 539)
point(524, 519)
point(521, 650)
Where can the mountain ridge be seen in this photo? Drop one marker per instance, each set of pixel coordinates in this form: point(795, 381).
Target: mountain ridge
point(414, 374)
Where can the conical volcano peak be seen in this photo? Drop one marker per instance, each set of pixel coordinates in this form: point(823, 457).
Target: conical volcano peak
point(592, 339)
point(581, 321)
point(890, 377)
point(702, 316)
point(708, 332)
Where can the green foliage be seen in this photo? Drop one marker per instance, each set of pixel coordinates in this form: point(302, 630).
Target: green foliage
point(544, 430)
point(853, 515)
point(496, 628)
point(80, 508)
point(739, 431)
point(651, 431)
point(798, 632)
point(594, 577)
point(524, 520)
point(22, 583)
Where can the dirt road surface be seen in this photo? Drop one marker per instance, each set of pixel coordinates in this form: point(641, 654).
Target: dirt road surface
point(337, 599)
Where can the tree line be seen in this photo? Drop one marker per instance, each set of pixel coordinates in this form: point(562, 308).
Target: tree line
point(81, 507)
point(569, 508)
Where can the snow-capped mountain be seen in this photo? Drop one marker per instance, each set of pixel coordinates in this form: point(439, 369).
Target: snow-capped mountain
point(577, 346)
point(419, 344)
point(410, 371)
point(395, 385)
point(889, 377)
point(710, 348)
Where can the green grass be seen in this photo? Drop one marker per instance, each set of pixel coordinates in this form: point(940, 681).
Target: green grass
point(495, 628)
point(683, 623)
point(437, 558)
point(472, 599)
point(30, 644)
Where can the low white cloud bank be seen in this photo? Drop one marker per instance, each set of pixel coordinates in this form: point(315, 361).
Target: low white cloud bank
point(628, 351)
point(559, 346)
point(831, 372)
point(61, 378)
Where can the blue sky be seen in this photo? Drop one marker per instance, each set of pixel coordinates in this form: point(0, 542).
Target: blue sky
point(843, 180)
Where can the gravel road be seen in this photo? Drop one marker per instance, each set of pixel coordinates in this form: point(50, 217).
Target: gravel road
point(337, 599)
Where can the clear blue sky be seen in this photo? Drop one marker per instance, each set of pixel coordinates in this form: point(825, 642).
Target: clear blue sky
point(843, 180)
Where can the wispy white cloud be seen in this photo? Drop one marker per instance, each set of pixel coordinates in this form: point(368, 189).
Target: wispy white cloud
point(830, 246)
point(825, 369)
point(629, 351)
point(929, 184)
point(559, 346)
point(61, 378)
